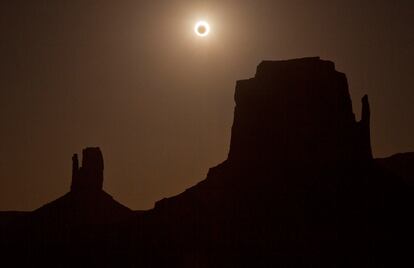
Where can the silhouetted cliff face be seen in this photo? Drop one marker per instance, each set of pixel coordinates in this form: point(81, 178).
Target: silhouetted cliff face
point(299, 187)
point(294, 137)
point(298, 112)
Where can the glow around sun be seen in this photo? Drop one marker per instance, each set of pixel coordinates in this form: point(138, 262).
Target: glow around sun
point(202, 28)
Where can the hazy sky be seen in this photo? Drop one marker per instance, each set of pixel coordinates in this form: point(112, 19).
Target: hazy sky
point(134, 79)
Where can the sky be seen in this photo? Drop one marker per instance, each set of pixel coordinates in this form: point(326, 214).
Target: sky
point(132, 78)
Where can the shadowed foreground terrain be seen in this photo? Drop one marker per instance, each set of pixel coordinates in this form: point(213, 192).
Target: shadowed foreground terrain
point(299, 189)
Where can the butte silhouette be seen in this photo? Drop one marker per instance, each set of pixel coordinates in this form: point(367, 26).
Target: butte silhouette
point(300, 188)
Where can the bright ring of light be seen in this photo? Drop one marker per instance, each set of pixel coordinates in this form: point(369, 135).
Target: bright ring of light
point(202, 28)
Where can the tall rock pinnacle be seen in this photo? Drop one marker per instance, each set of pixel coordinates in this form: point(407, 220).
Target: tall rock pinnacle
point(90, 175)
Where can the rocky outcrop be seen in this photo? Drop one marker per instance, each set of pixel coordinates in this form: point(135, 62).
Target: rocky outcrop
point(299, 188)
point(89, 177)
point(86, 203)
point(298, 112)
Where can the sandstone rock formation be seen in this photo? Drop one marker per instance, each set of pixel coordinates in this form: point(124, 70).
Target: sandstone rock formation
point(86, 203)
point(298, 112)
point(299, 189)
point(90, 176)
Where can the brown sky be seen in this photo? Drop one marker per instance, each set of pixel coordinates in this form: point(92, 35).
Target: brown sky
point(132, 78)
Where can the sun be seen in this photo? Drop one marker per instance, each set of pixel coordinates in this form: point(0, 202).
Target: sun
point(202, 28)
